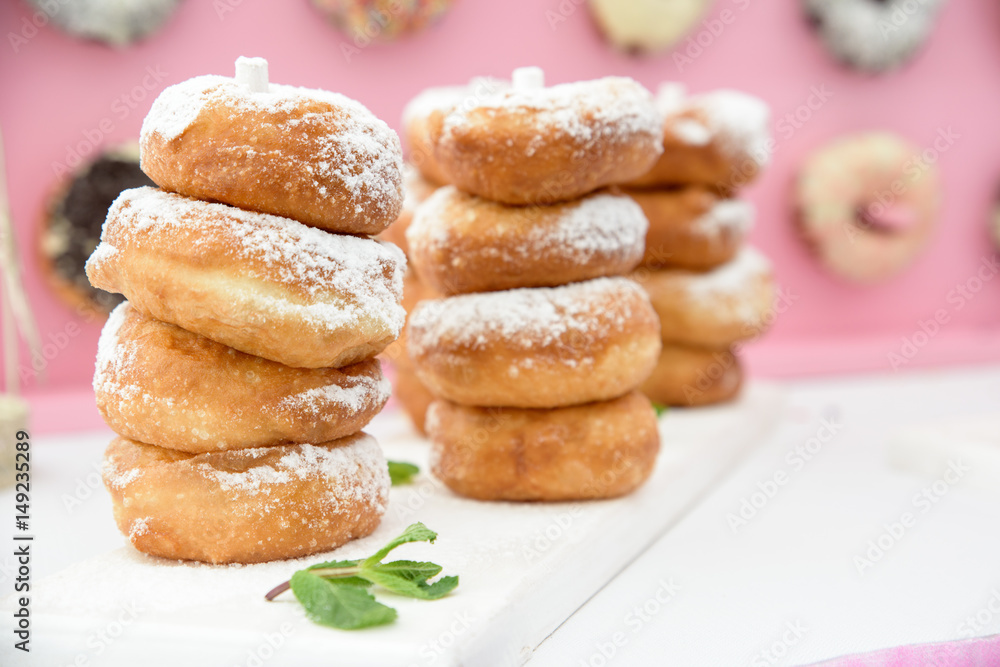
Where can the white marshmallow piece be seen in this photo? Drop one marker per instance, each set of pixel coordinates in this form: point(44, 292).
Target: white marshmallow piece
point(528, 78)
point(252, 73)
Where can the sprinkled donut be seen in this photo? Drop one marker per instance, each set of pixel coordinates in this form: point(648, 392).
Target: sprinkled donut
point(71, 228)
point(265, 285)
point(693, 227)
point(115, 22)
point(867, 205)
point(461, 243)
point(599, 450)
point(538, 145)
point(720, 139)
point(249, 505)
point(162, 385)
point(873, 35)
point(691, 376)
point(541, 347)
point(381, 20)
point(713, 309)
point(314, 156)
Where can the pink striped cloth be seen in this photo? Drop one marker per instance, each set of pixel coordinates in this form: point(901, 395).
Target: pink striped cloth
point(978, 652)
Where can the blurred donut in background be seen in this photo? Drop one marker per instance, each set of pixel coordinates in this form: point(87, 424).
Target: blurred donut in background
point(117, 23)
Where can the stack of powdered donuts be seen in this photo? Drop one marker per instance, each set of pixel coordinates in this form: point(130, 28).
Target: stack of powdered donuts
point(242, 368)
point(537, 348)
point(710, 291)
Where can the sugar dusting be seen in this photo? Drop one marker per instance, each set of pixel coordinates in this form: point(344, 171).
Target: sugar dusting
point(730, 278)
point(734, 215)
point(361, 392)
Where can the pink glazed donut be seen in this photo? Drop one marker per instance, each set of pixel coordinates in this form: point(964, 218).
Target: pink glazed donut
point(867, 204)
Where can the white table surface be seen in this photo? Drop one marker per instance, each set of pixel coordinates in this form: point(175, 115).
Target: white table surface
point(782, 589)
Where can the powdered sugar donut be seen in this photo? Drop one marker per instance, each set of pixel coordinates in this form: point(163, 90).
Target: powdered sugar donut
point(462, 243)
point(873, 35)
point(867, 205)
point(646, 25)
point(162, 385)
point(693, 227)
point(690, 376)
point(713, 309)
point(115, 22)
point(416, 189)
point(538, 145)
point(250, 505)
point(720, 139)
point(540, 347)
point(265, 285)
point(310, 155)
point(599, 450)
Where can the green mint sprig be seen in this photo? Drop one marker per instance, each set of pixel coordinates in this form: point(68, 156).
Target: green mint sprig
point(660, 408)
point(402, 473)
point(336, 593)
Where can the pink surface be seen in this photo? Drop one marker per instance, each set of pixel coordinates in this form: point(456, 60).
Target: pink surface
point(58, 91)
point(981, 652)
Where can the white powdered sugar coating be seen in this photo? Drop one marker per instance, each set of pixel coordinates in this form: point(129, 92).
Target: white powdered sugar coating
point(609, 109)
point(364, 154)
point(445, 98)
point(523, 319)
point(734, 215)
point(113, 358)
point(602, 224)
point(363, 393)
point(732, 277)
point(343, 275)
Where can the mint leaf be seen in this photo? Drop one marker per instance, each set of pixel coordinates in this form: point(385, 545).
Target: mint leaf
point(416, 532)
point(660, 408)
point(402, 473)
point(411, 569)
point(337, 605)
point(411, 587)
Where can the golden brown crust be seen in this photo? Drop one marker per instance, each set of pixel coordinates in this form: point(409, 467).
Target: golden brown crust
point(162, 385)
point(692, 227)
point(689, 376)
point(537, 347)
point(246, 506)
point(460, 243)
point(598, 450)
point(539, 147)
point(263, 285)
point(420, 148)
point(319, 158)
point(417, 191)
point(412, 395)
point(714, 309)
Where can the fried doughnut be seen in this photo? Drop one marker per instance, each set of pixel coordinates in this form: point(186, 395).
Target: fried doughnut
point(162, 385)
point(536, 145)
point(542, 347)
point(310, 155)
point(689, 376)
point(411, 394)
point(416, 190)
point(645, 26)
point(461, 243)
point(714, 309)
point(692, 227)
point(265, 285)
point(867, 205)
point(719, 139)
point(598, 450)
point(250, 505)
point(117, 23)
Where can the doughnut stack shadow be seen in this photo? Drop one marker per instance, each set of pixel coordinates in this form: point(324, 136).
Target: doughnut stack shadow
point(535, 350)
point(710, 290)
point(241, 369)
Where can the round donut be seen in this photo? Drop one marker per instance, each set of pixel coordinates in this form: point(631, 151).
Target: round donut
point(719, 139)
point(537, 145)
point(461, 243)
point(713, 309)
point(645, 26)
point(265, 285)
point(249, 505)
point(117, 23)
point(310, 155)
point(867, 205)
point(162, 385)
point(690, 376)
point(692, 227)
point(71, 227)
point(872, 35)
point(367, 21)
point(416, 190)
point(598, 450)
point(542, 347)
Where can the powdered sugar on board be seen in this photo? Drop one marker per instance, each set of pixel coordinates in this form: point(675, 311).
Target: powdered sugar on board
point(520, 570)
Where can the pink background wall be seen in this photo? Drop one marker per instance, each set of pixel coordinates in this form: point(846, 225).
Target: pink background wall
point(55, 88)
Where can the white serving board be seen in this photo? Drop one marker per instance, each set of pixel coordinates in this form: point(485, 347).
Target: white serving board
point(524, 569)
